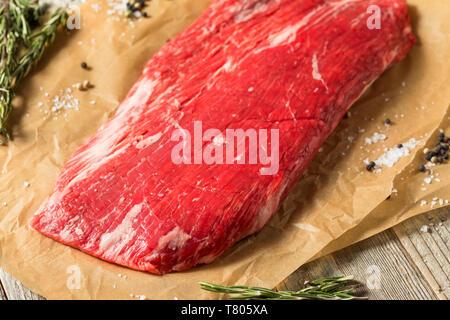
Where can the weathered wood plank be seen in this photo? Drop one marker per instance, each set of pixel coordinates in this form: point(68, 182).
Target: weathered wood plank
point(380, 262)
point(14, 290)
point(429, 250)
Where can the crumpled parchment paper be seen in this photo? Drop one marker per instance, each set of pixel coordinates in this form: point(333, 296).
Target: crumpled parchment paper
point(335, 204)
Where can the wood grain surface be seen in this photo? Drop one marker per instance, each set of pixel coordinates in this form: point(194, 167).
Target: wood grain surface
point(410, 261)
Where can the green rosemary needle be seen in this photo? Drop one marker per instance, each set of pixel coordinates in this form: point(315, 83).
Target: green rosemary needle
point(336, 288)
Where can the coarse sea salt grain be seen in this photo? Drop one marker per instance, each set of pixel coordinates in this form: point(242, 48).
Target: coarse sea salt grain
point(393, 155)
point(376, 137)
point(63, 102)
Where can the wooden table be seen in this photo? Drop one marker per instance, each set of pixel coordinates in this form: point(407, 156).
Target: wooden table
point(403, 262)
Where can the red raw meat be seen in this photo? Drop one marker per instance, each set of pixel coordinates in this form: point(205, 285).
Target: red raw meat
point(292, 65)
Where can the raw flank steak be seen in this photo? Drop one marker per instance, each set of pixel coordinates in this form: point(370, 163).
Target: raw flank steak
point(291, 65)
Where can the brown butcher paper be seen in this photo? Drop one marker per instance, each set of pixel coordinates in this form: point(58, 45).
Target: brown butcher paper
point(336, 203)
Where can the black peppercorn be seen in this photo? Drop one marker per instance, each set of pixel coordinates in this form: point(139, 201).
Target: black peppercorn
point(421, 168)
point(370, 166)
point(400, 146)
point(387, 121)
point(84, 65)
point(430, 155)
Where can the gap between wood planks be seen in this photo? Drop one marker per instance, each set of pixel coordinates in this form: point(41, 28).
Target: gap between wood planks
point(412, 264)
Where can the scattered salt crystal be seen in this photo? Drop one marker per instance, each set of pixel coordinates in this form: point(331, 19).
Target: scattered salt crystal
point(4, 203)
point(96, 7)
point(393, 155)
point(142, 297)
point(427, 180)
point(92, 102)
point(423, 202)
point(26, 184)
point(425, 229)
point(375, 138)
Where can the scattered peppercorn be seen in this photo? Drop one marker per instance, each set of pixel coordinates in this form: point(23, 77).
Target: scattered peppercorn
point(387, 121)
point(440, 153)
point(144, 14)
point(370, 166)
point(86, 84)
point(400, 146)
point(84, 65)
point(429, 155)
point(135, 6)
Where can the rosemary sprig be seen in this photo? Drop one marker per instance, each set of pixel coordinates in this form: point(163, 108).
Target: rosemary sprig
point(20, 48)
point(335, 288)
point(39, 41)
